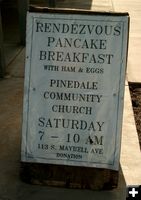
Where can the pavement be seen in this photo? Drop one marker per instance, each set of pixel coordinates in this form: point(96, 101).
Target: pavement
point(11, 98)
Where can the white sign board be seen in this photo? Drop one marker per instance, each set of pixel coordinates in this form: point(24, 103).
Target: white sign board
point(74, 86)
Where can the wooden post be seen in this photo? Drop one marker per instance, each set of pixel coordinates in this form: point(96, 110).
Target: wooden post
point(2, 56)
point(23, 8)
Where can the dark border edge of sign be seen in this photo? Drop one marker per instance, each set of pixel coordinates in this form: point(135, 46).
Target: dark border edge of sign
point(75, 11)
point(29, 84)
point(59, 176)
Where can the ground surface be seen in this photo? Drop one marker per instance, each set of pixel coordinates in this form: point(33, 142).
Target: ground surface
point(135, 91)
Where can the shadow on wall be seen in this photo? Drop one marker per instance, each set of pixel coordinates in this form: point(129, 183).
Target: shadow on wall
point(77, 4)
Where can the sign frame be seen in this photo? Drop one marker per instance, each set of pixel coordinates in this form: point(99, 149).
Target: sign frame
point(26, 156)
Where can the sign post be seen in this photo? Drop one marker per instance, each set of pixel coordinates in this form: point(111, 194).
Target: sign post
point(74, 89)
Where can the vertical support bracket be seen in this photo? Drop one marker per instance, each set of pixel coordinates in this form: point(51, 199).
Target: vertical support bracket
point(23, 6)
